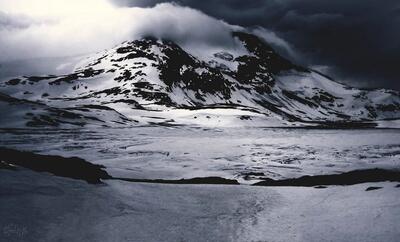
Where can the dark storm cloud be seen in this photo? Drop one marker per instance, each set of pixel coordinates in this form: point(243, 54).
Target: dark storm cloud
point(358, 40)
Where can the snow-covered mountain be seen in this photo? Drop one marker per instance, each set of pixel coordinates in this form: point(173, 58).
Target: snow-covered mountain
point(152, 81)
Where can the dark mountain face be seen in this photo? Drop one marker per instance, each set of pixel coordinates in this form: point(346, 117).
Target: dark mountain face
point(157, 76)
point(264, 55)
point(179, 68)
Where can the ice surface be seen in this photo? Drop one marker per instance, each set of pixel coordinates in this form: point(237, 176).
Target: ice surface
point(246, 154)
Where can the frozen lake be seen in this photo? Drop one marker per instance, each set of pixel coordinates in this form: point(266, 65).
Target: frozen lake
point(42, 207)
point(245, 154)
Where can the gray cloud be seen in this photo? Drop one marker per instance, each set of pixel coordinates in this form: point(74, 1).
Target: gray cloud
point(76, 32)
point(359, 40)
point(9, 21)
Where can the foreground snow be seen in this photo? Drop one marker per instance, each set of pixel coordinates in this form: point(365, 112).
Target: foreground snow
point(40, 207)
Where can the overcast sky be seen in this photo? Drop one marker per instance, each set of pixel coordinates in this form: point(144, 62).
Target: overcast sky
point(355, 41)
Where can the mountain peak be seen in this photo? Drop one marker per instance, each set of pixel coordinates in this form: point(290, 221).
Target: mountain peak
point(158, 77)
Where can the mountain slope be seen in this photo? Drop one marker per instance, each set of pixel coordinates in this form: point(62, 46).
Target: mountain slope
point(156, 81)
